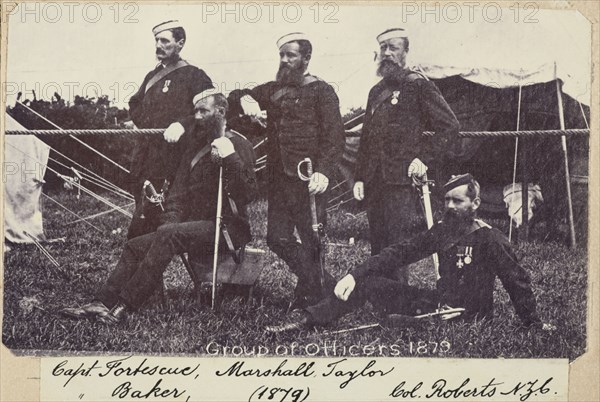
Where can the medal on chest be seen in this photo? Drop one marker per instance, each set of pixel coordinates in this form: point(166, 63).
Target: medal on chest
point(166, 86)
point(464, 256)
point(395, 96)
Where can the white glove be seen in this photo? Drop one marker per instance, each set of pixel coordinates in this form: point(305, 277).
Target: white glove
point(173, 132)
point(318, 183)
point(250, 106)
point(344, 287)
point(417, 168)
point(224, 146)
point(130, 125)
point(359, 191)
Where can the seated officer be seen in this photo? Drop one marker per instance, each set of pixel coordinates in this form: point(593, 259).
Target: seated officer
point(188, 222)
point(471, 255)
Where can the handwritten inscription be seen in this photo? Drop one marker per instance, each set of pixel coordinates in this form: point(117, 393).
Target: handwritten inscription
point(443, 389)
point(366, 371)
point(279, 394)
point(288, 380)
point(238, 370)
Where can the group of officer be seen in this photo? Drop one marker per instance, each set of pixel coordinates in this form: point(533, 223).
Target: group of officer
point(304, 121)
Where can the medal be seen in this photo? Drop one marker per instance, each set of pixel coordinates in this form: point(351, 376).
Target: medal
point(395, 95)
point(461, 253)
point(468, 255)
point(166, 86)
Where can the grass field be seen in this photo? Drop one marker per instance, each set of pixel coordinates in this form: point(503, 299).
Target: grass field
point(34, 290)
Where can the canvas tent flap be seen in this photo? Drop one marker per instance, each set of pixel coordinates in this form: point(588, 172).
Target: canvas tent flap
point(499, 78)
point(25, 160)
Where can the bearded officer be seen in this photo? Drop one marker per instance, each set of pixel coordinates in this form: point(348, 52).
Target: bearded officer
point(188, 223)
point(472, 255)
point(164, 97)
point(303, 120)
point(400, 108)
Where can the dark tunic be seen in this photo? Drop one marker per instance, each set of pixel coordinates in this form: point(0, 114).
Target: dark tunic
point(154, 159)
point(193, 196)
point(188, 224)
point(391, 135)
point(398, 111)
point(469, 266)
point(302, 122)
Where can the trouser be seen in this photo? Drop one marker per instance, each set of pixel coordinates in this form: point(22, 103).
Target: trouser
point(393, 217)
point(145, 258)
point(289, 209)
point(386, 295)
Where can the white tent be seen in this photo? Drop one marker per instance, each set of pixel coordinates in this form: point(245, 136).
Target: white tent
point(25, 160)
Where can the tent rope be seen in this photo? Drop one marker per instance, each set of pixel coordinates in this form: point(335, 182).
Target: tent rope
point(71, 212)
point(68, 179)
point(583, 114)
point(77, 139)
point(462, 134)
point(111, 187)
point(98, 214)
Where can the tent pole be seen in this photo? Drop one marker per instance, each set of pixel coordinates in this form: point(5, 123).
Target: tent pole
point(510, 225)
point(563, 140)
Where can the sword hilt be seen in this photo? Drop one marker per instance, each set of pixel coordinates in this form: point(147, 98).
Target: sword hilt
point(152, 195)
point(309, 169)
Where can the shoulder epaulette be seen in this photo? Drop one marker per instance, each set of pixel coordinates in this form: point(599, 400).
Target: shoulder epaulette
point(482, 224)
point(309, 79)
point(416, 75)
point(235, 132)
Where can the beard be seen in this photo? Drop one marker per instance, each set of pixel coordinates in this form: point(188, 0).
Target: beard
point(210, 127)
point(459, 220)
point(290, 75)
point(389, 69)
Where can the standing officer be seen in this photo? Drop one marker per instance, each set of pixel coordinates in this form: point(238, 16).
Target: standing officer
point(303, 120)
point(472, 255)
point(164, 97)
point(400, 108)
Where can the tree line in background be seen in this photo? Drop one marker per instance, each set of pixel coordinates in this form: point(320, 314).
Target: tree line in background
point(97, 113)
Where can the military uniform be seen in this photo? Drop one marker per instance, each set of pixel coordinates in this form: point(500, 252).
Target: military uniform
point(469, 265)
point(168, 100)
point(399, 110)
point(302, 121)
point(188, 223)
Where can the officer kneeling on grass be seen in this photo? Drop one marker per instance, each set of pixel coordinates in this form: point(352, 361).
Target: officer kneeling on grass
point(471, 255)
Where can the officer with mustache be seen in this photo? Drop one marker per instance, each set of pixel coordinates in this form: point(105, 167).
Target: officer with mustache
point(164, 97)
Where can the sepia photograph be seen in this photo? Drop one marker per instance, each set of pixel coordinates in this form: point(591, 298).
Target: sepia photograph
point(249, 180)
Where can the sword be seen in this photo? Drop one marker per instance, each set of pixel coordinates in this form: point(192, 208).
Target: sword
point(218, 222)
point(316, 226)
point(425, 196)
point(401, 320)
point(152, 195)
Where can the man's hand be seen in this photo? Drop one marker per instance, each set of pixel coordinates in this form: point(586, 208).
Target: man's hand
point(224, 146)
point(359, 191)
point(318, 183)
point(417, 168)
point(173, 132)
point(250, 106)
point(344, 287)
point(130, 125)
